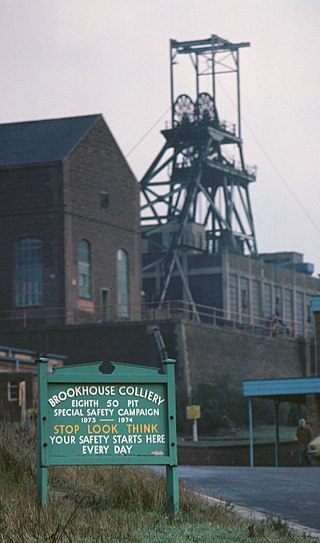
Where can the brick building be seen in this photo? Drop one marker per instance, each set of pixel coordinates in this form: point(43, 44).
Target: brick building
point(19, 382)
point(69, 217)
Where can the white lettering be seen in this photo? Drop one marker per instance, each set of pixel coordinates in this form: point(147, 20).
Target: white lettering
point(160, 438)
point(124, 449)
point(95, 449)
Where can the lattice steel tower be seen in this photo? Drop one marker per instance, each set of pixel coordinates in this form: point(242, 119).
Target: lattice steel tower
point(195, 195)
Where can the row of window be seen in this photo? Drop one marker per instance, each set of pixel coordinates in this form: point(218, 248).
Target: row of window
point(29, 274)
point(250, 298)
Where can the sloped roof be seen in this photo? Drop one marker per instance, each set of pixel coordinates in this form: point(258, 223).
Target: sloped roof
point(43, 141)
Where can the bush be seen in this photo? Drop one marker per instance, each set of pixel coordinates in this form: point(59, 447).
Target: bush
point(223, 406)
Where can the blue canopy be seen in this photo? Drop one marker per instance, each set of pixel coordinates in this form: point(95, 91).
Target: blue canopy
point(286, 390)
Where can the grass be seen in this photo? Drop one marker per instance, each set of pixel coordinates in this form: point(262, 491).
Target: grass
point(110, 504)
point(261, 435)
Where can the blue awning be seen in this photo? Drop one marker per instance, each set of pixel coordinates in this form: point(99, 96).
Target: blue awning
point(294, 390)
point(290, 390)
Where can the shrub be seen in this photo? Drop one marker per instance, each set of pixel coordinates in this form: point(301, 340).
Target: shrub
point(223, 405)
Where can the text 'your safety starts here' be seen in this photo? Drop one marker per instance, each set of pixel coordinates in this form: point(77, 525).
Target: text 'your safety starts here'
point(107, 420)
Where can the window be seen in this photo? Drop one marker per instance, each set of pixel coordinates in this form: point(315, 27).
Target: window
point(300, 313)
point(84, 270)
point(233, 290)
point(256, 298)
point(267, 300)
point(245, 302)
point(309, 315)
point(104, 199)
point(308, 308)
point(288, 305)
point(122, 283)
point(278, 301)
point(13, 391)
point(29, 264)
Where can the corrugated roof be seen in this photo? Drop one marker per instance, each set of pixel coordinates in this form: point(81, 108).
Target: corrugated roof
point(276, 388)
point(43, 141)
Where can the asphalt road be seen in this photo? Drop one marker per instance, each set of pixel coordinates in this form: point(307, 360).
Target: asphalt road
point(292, 494)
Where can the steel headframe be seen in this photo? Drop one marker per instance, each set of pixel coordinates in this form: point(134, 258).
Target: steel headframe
point(199, 175)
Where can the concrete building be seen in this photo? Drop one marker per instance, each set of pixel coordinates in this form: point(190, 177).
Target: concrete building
point(200, 253)
point(69, 218)
point(271, 292)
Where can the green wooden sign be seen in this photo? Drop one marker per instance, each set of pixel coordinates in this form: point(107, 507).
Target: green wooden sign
point(112, 413)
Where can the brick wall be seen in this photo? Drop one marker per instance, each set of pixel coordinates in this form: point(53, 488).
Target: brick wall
point(248, 356)
point(96, 169)
point(200, 350)
point(238, 455)
point(61, 203)
point(31, 204)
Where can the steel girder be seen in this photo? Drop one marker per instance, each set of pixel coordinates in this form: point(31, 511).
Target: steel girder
point(202, 187)
point(193, 179)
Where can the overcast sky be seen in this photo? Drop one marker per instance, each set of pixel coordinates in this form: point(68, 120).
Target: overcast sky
point(76, 57)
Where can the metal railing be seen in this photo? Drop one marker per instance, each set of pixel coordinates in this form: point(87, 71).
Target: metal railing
point(165, 310)
point(171, 309)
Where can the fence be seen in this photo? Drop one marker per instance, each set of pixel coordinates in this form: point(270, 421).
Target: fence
point(165, 310)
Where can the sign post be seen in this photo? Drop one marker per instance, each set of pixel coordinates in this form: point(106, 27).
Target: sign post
point(23, 403)
point(43, 439)
point(193, 413)
point(107, 413)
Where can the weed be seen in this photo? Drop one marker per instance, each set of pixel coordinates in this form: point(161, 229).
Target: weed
point(110, 504)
